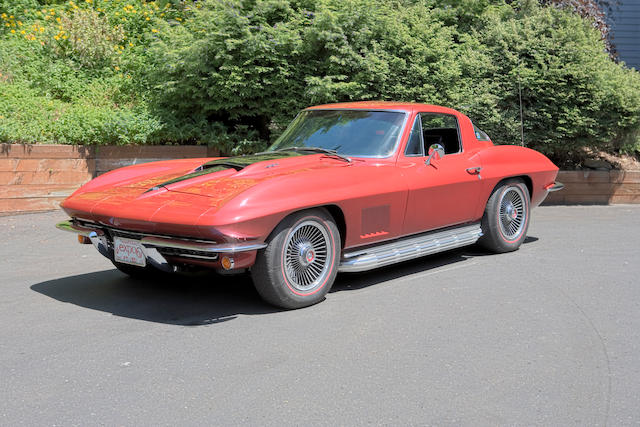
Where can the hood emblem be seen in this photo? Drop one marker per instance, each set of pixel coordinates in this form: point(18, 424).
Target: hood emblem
point(272, 165)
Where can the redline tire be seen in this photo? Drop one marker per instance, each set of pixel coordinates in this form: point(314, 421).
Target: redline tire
point(506, 217)
point(300, 263)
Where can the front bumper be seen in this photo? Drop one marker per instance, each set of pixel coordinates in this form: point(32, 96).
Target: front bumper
point(158, 248)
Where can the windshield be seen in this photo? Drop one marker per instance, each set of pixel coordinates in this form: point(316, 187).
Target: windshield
point(357, 133)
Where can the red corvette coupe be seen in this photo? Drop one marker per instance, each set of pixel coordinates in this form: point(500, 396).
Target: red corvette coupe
point(347, 187)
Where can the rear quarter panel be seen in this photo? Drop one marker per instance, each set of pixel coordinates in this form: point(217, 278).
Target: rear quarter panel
point(506, 161)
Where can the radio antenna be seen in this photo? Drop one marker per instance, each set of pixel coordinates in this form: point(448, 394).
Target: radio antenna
point(520, 99)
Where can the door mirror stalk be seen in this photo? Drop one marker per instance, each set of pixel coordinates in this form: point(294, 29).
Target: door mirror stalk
point(436, 152)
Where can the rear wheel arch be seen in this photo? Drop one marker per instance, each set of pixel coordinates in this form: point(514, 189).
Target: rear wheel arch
point(524, 178)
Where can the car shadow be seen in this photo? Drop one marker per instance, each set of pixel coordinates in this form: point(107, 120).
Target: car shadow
point(211, 298)
point(171, 299)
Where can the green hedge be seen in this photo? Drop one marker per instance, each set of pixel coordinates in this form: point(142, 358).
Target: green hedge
point(233, 73)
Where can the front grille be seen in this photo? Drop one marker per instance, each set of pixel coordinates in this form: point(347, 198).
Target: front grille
point(136, 235)
point(188, 253)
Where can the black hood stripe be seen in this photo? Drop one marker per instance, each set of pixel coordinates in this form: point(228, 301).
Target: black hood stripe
point(237, 163)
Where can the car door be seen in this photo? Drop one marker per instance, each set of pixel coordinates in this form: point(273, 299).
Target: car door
point(446, 191)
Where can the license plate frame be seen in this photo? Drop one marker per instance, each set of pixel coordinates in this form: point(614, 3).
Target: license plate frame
point(129, 251)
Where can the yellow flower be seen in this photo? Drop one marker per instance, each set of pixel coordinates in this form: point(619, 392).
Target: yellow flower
point(4, 16)
point(130, 44)
point(116, 68)
point(153, 30)
point(23, 32)
point(19, 23)
point(147, 18)
point(13, 31)
point(179, 19)
point(53, 12)
point(58, 19)
point(57, 37)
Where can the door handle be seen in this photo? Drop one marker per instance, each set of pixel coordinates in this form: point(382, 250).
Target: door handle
point(474, 170)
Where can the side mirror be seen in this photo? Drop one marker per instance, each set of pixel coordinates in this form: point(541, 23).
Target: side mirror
point(436, 151)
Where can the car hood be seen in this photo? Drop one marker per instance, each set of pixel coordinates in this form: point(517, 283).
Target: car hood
point(221, 179)
point(159, 191)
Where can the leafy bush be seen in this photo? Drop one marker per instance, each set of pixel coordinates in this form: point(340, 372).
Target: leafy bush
point(26, 116)
point(573, 95)
point(233, 73)
point(256, 63)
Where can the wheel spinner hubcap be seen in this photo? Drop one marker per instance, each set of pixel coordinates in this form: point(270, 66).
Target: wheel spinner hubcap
point(307, 256)
point(512, 212)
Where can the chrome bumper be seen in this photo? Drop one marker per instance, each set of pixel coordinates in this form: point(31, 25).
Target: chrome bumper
point(151, 244)
point(557, 186)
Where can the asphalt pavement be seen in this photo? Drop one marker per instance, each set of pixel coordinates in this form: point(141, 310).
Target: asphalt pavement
point(547, 335)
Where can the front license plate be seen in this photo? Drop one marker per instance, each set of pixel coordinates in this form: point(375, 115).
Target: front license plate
point(128, 251)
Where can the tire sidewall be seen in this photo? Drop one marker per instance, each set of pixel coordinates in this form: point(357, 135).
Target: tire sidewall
point(520, 237)
point(269, 274)
point(493, 238)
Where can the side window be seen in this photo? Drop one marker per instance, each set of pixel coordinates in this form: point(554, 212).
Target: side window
point(480, 134)
point(441, 129)
point(415, 144)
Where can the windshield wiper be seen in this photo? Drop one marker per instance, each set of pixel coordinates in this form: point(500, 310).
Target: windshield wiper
point(317, 150)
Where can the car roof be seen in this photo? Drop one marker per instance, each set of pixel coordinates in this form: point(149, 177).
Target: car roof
point(385, 105)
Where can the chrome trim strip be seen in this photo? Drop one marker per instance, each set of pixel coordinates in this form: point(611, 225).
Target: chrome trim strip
point(557, 186)
point(212, 257)
point(161, 242)
point(409, 248)
point(157, 241)
point(78, 229)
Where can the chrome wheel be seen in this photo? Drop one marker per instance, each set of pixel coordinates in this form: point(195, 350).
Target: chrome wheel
point(513, 213)
point(307, 255)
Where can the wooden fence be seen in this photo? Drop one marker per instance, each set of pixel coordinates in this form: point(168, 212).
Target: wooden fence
point(38, 177)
